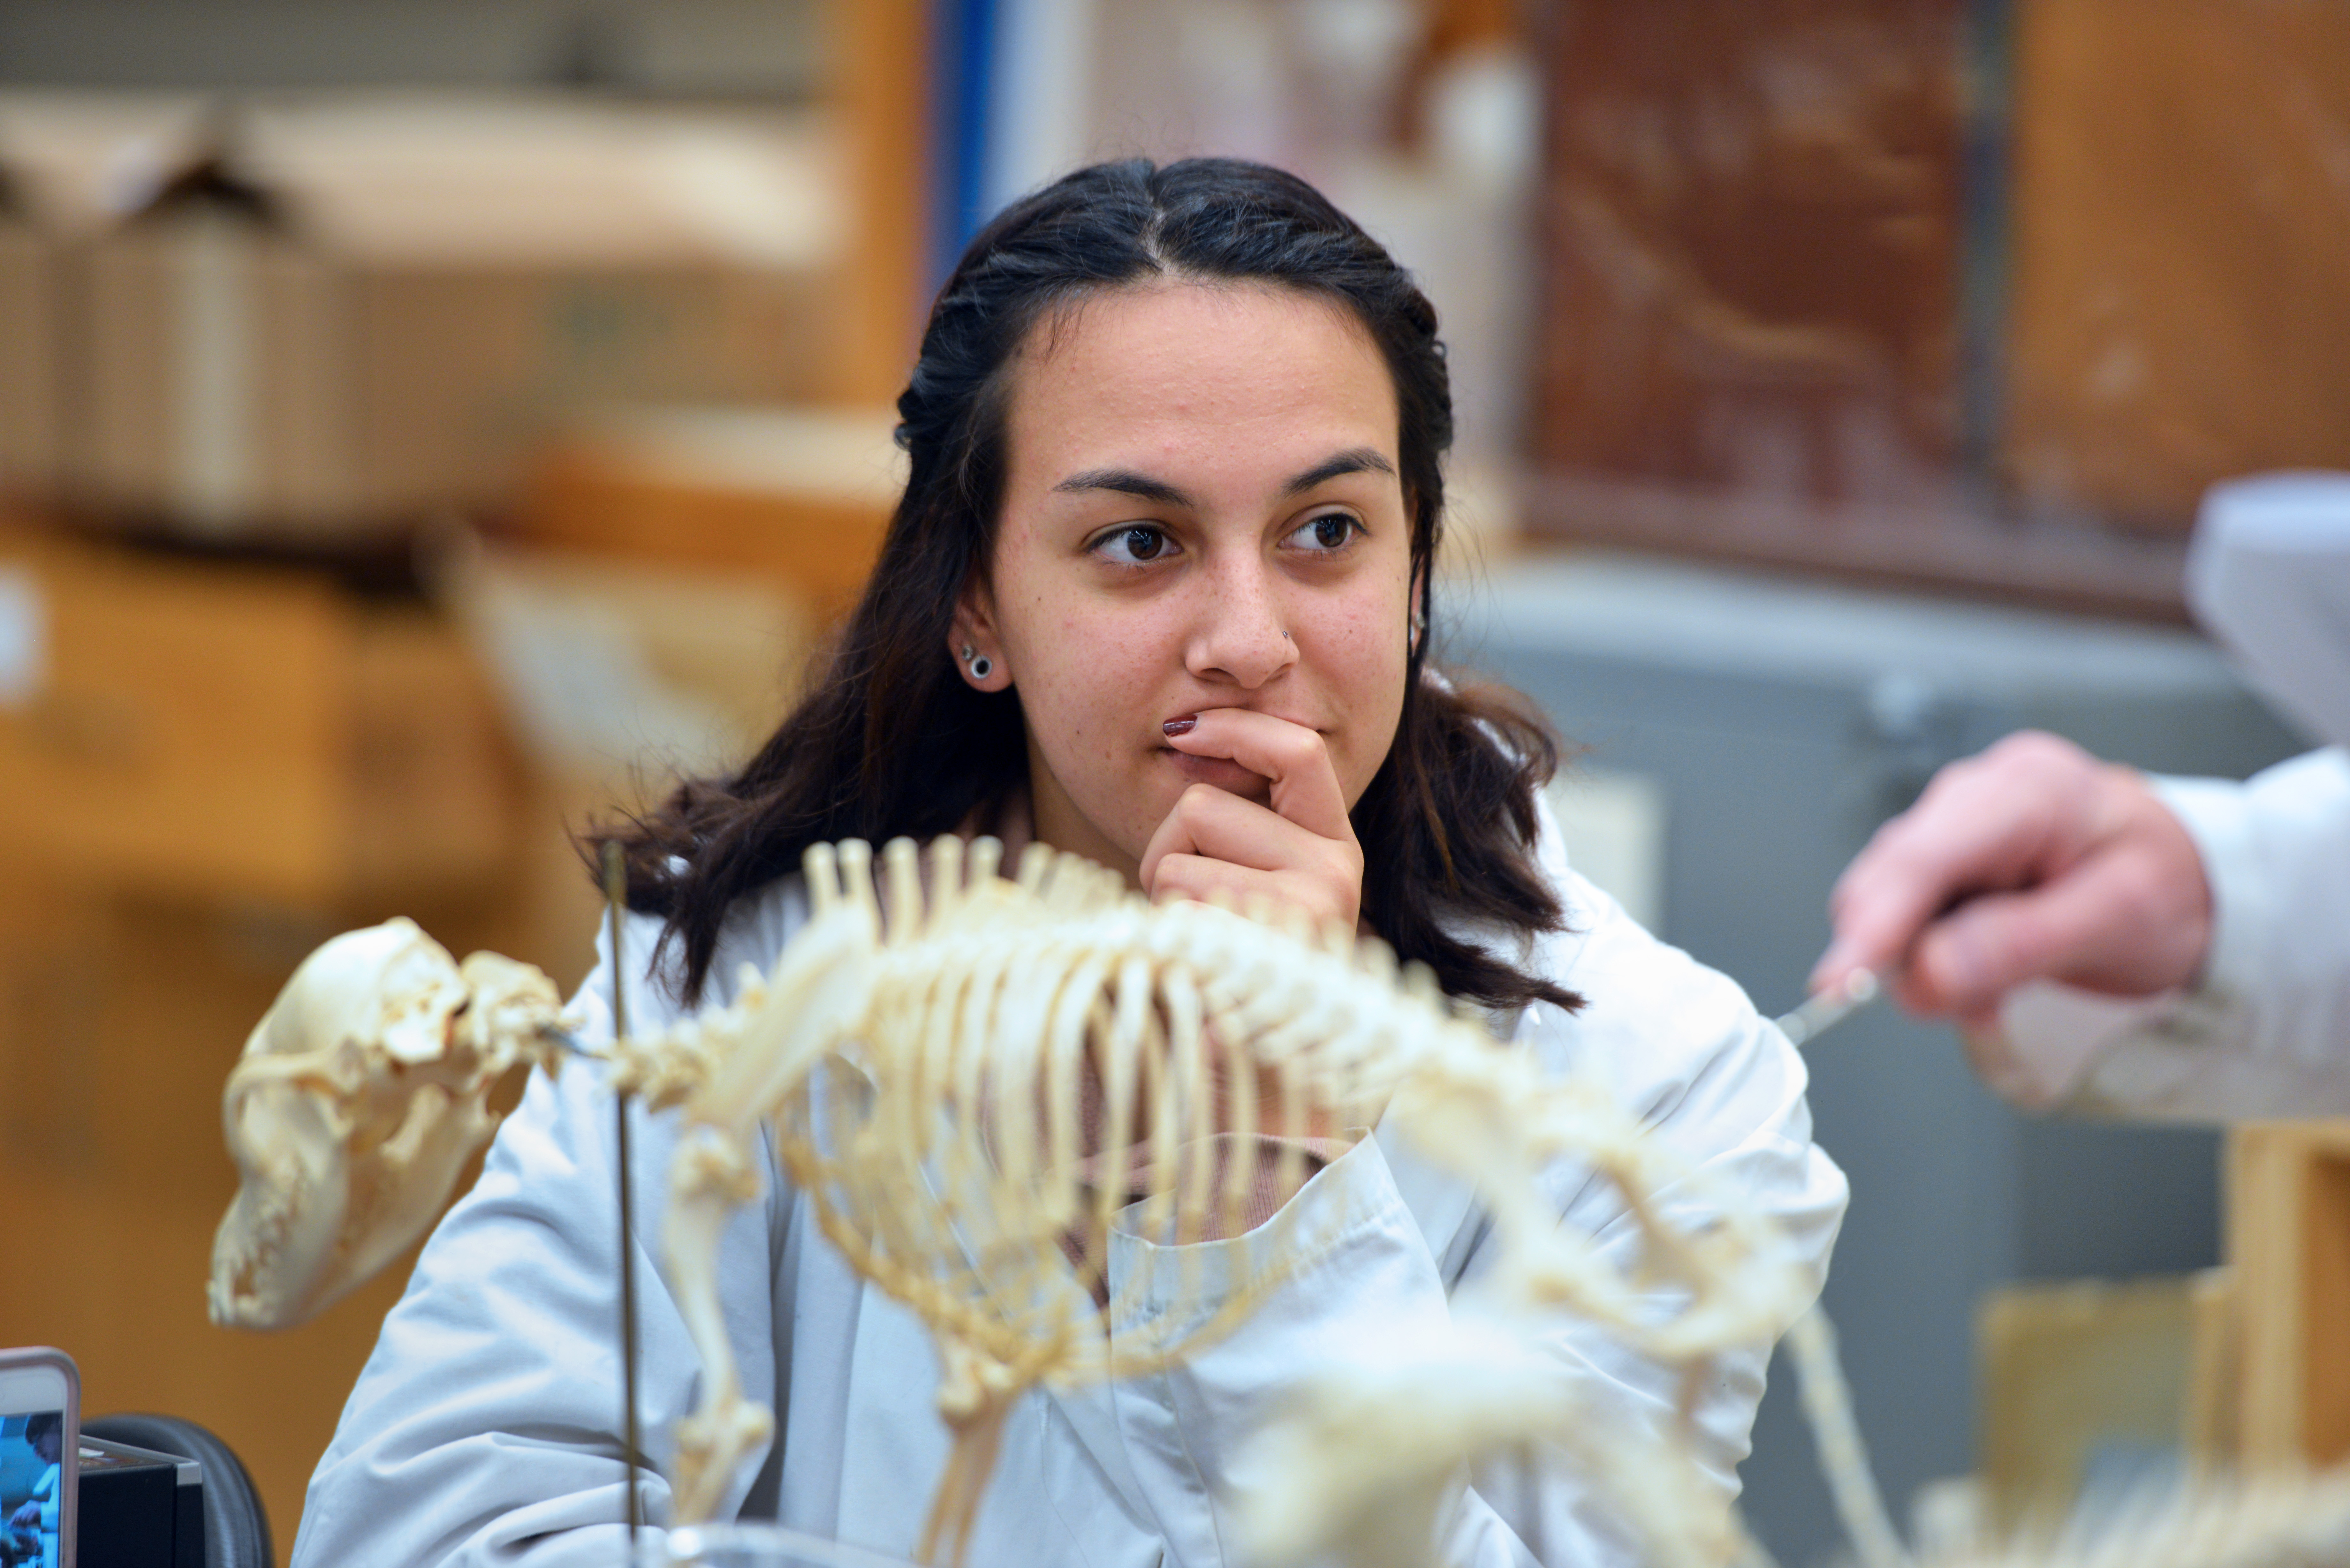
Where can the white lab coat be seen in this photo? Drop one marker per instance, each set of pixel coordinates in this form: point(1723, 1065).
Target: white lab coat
point(482, 1429)
point(2266, 1030)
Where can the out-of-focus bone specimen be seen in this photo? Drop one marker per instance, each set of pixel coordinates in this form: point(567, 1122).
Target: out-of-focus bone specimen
point(1363, 1463)
point(928, 1077)
point(359, 1098)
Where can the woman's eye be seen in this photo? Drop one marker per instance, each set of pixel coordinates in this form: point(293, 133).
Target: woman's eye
point(1135, 545)
point(1325, 533)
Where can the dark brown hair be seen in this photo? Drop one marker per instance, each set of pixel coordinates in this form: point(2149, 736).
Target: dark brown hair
point(891, 741)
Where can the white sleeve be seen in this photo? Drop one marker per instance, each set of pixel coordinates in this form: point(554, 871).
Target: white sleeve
point(486, 1427)
point(1711, 1079)
point(2266, 1030)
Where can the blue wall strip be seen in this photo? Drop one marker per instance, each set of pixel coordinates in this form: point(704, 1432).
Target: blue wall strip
point(965, 35)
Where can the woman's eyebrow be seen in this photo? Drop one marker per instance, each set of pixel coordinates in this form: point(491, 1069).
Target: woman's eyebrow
point(1126, 481)
point(1355, 460)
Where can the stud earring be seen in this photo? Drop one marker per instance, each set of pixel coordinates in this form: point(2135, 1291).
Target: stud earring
point(981, 667)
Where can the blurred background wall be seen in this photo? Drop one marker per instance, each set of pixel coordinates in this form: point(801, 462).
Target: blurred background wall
point(424, 426)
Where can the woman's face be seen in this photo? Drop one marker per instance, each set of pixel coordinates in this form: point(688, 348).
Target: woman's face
point(1202, 511)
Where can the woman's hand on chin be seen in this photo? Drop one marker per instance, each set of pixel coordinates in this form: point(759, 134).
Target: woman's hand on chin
point(1298, 849)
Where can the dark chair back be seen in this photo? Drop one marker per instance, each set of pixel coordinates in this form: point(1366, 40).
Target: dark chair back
point(236, 1529)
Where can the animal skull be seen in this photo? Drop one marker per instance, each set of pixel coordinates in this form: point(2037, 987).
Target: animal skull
point(361, 1095)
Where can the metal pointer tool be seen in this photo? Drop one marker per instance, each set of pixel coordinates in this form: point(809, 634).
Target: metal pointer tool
point(1831, 1007)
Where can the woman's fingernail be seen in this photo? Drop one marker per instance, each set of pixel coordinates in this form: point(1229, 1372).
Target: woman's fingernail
point(1181, 726)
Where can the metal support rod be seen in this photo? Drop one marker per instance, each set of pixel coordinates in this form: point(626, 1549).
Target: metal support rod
point(616, 888)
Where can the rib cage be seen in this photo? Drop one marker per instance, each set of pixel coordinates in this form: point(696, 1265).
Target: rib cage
point(1118, 996)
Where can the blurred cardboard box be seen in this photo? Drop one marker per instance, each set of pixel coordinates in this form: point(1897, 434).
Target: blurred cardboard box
point(28, 361)
point(68, 163)
point(80, 158)
point(185, 728)
point(362, 311)
point(2181, 260)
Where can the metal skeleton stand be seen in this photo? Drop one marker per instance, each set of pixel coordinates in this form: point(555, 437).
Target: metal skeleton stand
point(615, 896)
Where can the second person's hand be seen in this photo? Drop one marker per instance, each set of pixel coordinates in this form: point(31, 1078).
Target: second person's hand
point(2034, 860)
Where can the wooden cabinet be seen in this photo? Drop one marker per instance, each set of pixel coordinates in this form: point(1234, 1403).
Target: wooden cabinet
point(2180, 252)
point(1976, 296)
point(120, 1018)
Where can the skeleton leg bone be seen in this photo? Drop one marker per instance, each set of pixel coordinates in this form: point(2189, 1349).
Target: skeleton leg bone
point(712, 1174)
point(820, 987)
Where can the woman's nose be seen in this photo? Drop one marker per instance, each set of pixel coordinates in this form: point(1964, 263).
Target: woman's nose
point(1242, 635)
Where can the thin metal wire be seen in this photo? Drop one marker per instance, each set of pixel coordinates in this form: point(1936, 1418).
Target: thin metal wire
point(616, 886)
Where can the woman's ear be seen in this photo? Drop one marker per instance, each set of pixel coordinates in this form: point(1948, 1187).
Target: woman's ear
point(1415, 617)
point(977, 652)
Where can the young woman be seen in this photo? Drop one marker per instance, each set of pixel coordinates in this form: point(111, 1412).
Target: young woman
point(1158, 592)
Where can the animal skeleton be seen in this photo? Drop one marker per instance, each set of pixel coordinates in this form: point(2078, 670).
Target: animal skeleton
point(970, 1089)
point(927, 1075)
point(361, 1095)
